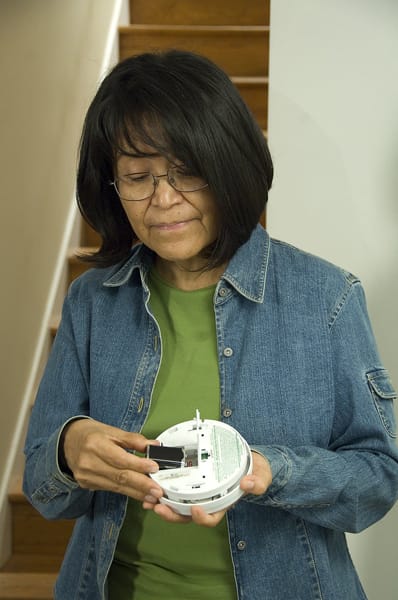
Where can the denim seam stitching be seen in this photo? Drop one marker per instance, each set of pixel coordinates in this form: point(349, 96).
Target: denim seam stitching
point(351, 281)
point(312, 560)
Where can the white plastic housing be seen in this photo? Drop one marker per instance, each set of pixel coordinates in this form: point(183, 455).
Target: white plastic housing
point(216, 457)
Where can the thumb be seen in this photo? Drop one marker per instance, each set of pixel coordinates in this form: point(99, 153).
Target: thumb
point(252, 484)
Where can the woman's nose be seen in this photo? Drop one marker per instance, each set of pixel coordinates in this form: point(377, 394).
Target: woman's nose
point(164, 194)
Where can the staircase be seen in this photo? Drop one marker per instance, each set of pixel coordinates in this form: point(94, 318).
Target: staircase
point(235, 34)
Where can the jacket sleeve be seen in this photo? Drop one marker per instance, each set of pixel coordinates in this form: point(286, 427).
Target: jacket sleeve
point(62, 396)
point(354, 481)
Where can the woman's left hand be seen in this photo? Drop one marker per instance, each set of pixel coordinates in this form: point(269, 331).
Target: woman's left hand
point(256, 483)
point(260, 479)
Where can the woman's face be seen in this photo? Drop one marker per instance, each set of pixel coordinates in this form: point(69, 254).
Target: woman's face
point(177, 226)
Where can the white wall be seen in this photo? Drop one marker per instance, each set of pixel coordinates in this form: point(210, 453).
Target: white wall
point(52, 55)
point(333, 133)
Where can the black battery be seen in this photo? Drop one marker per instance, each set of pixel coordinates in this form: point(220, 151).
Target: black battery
point(167, 457)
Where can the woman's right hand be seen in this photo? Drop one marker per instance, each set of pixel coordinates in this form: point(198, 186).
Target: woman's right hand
point(97, 456)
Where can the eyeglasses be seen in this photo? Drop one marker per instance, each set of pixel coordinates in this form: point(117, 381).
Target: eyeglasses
point(134, 187)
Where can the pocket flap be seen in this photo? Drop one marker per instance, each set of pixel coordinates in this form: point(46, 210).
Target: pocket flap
point(381, 384)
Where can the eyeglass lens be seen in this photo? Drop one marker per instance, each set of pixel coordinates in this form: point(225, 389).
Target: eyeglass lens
point(140, 186)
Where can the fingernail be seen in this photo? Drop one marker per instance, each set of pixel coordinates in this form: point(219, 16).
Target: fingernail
point(153, 468)
point(249, 485)
point(150, 499)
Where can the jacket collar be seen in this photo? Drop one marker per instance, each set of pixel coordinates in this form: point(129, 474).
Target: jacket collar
point(141, 259)
point(246, 271)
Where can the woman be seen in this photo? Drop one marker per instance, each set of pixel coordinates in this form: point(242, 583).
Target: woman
point(205, 312)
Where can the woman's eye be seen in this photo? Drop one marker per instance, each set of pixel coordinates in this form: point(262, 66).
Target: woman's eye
point(136, 177)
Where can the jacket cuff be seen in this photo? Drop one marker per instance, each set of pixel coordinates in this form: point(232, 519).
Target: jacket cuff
point(60, 456)
point(55, 481)
point(281, 469)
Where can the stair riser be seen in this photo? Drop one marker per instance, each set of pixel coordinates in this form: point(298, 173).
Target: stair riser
point(205, 12)
point(26, 586)
point(256, 97)
point(238, 52)
point(33, 535)
point(77, 268)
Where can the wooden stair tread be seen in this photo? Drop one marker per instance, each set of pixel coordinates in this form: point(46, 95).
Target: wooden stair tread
point(73, 255)
point(195, 29)
point(254, 81)
point(26, 586)
point(15, 493)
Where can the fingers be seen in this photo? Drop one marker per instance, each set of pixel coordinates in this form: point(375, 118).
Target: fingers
point(98, 457)
point(137, 486)
point(150, 500)
point(200, 517)
point(118, 457)
point(167, 514)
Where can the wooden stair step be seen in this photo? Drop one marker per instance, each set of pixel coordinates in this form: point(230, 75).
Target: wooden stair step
point(240, 51)
point(54, 324)
point(205, 12)
point(33, 563)
point(26, 586)
point(75, 265)
point(33, 535)
point(254, 91)
point(235, 35)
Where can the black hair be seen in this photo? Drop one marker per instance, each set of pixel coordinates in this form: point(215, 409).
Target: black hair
point(185, 107)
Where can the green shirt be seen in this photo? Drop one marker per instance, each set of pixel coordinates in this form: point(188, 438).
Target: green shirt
point(155, 559)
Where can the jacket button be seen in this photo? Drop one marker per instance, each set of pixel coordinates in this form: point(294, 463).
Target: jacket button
point(223, 292)
point(241, 545)
point(228, 352)
point(227, 412)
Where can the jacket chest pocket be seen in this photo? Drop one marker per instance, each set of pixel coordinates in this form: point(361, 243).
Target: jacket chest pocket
point(383, 395)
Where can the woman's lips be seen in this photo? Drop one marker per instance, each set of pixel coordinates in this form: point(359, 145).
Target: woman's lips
point(174, 226)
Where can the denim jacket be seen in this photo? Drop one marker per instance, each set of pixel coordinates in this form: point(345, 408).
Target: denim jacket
point(300, 379)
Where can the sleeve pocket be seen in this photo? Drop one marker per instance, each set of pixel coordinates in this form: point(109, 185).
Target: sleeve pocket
point(383, 396)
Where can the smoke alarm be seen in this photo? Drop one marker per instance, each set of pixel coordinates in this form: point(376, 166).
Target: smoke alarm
point(201, 463)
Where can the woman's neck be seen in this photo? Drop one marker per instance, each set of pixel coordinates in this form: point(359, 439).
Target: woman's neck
point(188, 279)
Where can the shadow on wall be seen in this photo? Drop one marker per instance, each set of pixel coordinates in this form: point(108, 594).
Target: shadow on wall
point(378, 545)
point(350, 234)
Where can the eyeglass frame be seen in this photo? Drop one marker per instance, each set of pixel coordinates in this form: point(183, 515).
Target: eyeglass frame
point(155, 179)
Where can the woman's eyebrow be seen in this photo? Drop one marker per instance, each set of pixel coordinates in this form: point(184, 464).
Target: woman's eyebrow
point(139, 154)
